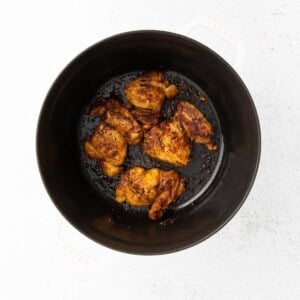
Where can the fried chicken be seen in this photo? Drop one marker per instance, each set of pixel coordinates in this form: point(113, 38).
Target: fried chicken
point(118, 117)
point(108, 147)
point(149, 90)
point(154, 187)
point(167, 142)
point(195, 125)
point(170, 141)
point(170, 187)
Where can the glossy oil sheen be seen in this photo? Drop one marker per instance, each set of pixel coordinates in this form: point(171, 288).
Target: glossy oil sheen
point(91, 210)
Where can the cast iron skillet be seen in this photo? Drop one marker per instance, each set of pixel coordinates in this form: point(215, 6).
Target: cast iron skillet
point(91, 210)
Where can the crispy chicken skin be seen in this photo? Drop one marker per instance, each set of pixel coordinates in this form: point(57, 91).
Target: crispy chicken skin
point(171, 141)
point(170, 187)
point(149, 90)
point(195, 125)
point(118, 117)
point(154, 187)
point(108, 147)
point(167, 142)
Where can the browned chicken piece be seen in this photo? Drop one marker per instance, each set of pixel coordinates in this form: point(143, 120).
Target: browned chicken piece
point(170, 187)
point(167, 142)
point(149, 91)
point(108, 147)
point(118, 116)
point(138, 186)
point(146, 117)
point(154, 187)
point(195, 125)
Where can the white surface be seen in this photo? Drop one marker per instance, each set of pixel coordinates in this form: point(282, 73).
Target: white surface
point(256, 256)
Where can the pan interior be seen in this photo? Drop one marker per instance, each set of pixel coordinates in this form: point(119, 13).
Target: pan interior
point(85, 196)
point(198, 174)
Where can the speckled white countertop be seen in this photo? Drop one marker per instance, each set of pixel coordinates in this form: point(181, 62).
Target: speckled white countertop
point(256, 256)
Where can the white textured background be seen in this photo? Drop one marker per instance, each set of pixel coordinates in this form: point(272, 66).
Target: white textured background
point(256, 256)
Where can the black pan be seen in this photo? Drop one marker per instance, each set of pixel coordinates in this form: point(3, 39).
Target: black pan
point(217, 182)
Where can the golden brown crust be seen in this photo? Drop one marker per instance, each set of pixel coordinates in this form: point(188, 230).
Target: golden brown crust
point(138, 186)
point(108, 145)
point(118, 116)
point(109, 169)
point(167, 142)
point(195, 125)
point(171, 91)
point(170, 187)
point(149, 90)
point(154, 187)
point(170, 141)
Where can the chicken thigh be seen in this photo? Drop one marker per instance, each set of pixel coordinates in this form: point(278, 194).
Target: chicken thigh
point(170, 187)
point(195, 125)
point(170, 141)
point(149, 90)
point(118, 117)
point(155, 187)
point(108, 147)
point(167, 142)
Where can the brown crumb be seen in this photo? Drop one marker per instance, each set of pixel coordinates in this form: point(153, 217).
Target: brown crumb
point(202, 98)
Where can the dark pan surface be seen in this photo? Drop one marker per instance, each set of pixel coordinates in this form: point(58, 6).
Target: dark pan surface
point(85, 197)
point(197, 174)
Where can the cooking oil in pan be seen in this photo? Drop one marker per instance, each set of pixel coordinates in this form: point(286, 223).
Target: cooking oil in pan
point(203, 165)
